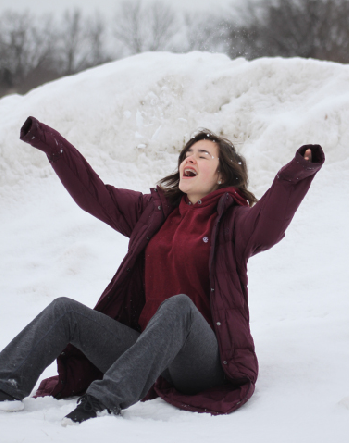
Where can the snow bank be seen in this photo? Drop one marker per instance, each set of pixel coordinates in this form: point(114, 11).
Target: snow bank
point(140, 110)
point(130, 118)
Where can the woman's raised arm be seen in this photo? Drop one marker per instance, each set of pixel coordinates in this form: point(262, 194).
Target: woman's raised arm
point(119, 208)
point(262, 226)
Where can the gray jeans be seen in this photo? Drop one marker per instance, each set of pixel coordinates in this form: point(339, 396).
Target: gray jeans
point(178, 343)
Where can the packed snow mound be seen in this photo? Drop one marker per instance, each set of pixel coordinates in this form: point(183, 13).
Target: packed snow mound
point(134, 115)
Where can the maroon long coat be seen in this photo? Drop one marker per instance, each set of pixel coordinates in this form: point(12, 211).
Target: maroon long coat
point(238, 233)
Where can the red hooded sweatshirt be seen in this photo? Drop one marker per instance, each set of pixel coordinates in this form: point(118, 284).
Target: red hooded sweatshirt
point(177, 257)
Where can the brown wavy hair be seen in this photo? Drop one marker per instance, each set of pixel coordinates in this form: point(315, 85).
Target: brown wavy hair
point(232, 168)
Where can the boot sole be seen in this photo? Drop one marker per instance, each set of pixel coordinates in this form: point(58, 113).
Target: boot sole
point(69, 422)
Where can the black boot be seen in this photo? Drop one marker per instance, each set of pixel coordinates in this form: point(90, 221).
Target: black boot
point(88, 407)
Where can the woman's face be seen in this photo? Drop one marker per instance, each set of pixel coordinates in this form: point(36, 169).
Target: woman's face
point(198, 174)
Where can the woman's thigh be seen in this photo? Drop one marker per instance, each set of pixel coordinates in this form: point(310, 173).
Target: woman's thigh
point(197, 366)
point(102, 339)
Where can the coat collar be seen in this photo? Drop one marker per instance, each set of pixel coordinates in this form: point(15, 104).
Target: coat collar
point(159, 196)
point(226, 200)
point(224, 203)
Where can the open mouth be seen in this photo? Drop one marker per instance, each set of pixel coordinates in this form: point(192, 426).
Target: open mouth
point(189, 172)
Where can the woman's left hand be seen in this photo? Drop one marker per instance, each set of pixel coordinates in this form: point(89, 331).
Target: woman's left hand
point(307, 155)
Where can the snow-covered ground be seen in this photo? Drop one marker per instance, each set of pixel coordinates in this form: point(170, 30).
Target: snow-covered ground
point(130, 118)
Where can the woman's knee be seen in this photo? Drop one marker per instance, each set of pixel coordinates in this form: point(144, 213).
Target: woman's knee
point(180, 302)
point(62, 304)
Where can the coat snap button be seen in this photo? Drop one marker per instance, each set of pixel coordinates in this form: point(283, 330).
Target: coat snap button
point(159, 208)
point(199, 202)
point(218, 323)
point(212, 289)
point(224, 362)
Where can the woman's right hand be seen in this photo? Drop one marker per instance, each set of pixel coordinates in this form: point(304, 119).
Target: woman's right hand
point(307, 155)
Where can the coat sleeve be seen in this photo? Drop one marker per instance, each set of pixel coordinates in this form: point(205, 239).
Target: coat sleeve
point(119, 208)
point(262, 226)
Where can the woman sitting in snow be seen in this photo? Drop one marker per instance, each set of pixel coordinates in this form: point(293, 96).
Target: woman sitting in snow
point(174, 320)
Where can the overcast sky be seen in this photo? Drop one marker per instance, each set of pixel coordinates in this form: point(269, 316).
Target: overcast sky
point(105, 6)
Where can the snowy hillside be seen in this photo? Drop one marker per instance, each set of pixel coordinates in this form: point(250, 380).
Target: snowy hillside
point(129, 119)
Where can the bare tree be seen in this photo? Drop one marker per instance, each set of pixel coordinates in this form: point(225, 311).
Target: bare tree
point(304, 28)
point(96, 39)
point(333, 35)
point(82, 42)
point(73, 42)
point(34, 50)
point(142, 27)
point(26, 45)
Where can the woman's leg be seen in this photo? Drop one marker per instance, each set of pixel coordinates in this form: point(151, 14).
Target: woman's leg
point(102, 339)
point(178, 343)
